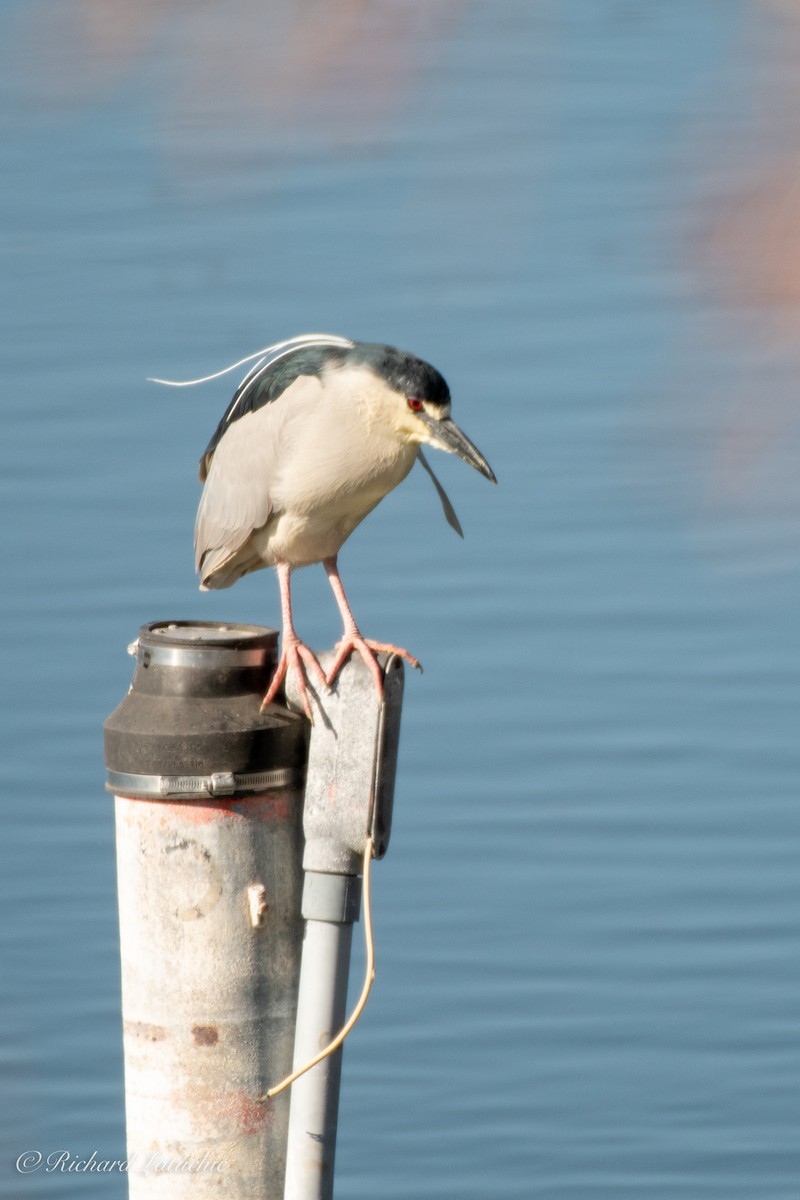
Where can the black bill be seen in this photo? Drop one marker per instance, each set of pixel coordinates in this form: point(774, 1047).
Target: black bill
point(446, 435)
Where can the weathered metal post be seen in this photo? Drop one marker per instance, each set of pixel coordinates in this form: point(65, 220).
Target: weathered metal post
point(214, 834)
point(209, 851)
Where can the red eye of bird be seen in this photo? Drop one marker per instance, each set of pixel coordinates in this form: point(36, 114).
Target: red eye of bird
point(415, 404)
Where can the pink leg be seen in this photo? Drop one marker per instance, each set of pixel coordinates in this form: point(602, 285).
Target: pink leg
point(352, 640)
point(294, 653)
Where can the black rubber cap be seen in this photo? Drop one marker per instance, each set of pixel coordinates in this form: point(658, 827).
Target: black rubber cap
point(194, 704)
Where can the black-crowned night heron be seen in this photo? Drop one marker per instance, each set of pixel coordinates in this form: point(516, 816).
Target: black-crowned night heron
point(317, 433)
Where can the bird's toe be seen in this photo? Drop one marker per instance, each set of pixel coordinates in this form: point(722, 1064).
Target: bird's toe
point(298, 659)
point(368, 651)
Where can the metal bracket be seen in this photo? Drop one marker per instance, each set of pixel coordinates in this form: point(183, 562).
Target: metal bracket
point(352, 760)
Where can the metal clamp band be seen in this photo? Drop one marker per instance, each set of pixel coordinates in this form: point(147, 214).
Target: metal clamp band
point(219, 783)
point(199, 657)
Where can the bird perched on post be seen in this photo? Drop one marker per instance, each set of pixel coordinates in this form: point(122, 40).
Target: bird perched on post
point(320, 429)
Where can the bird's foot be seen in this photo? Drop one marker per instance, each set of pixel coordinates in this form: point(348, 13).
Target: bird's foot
point(295, 657)
point(368, 650)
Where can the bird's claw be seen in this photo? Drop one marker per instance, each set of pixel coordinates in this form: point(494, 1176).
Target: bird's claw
point(296, 657)
point(368, 651)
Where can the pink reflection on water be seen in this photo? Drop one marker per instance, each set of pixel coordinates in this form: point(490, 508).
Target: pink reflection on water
point(338, 65)
point(747, 263)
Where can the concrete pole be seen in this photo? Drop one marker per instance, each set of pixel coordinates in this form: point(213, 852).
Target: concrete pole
point(209, 851)
point(208, 897)
point(211, 821)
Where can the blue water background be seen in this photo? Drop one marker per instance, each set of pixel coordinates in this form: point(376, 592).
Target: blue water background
point(588, 973)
